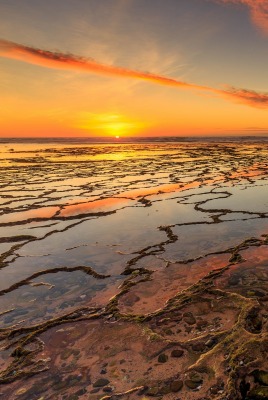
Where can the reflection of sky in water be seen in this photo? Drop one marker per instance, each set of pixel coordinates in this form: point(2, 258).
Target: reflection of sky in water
point(132, 229)
point(113, 178)
point(253, 199)
point(199, 240)
point(136, 226)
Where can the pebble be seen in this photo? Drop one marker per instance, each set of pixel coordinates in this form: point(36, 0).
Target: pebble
point(153, 391)
point(196, 377)
point(176, 386)
point(101, 382)
point(191, 384)
point(107, 389)
point(177, 353)
point(189, 318)
point(261, 377)
point(162, 358)
point(199, 347)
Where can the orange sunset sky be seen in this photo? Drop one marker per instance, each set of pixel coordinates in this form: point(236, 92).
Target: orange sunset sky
point(133, 67)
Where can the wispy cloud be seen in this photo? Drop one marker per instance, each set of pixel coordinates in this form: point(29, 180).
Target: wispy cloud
point(245, 96)
point(258, 11)
point(57, 60)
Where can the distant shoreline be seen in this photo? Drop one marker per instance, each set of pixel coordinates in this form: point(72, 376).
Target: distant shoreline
point(135, 140)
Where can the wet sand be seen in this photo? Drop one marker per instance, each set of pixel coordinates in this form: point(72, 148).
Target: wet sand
point(134, 271)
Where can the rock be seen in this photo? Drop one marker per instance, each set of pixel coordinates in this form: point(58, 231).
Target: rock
point(258, 393)
point(80, 392)
point(189, 318)
point(163, 321)
point(233, 280)
point(199, 347)
point(214, 389)
point(142, 390)
point(196, 377)
point(235, 258)
point(201, 324)
point(101, 382)
point(162, 358)
point(96, 390)
point(168, 331)
point(152, 391)
point(176, 386)
point(211, 342)
point(107, 389)
point(254, 321)
point(165, 390)
point(73, 397)
point(177, 353)
point(131, 299)
point(191, 384)
point(261, 377)
point(21, 391)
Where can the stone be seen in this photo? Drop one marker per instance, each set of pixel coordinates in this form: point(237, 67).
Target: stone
point(214, 389)
point(201, 324)
point(261, 377)
point(211, 342)
point(196, 377)
point(107, 389)
point(199, 347)
point(168, 331)
point(258, 393)
point(189, 318)
point(80, 392)
point(101, 382)
point(165, 390)
point(191, 384)
point(21, 391)
point(96, 390)
point(162, 358)
point(152, 391)
point(176, 386)
point(177, 353)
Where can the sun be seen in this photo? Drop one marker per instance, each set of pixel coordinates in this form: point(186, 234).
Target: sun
point(109, 124)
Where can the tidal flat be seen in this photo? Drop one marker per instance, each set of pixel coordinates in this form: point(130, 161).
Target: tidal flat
point(134, 271)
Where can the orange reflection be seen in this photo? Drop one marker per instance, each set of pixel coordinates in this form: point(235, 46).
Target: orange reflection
point(42, 213)
point(98, 206)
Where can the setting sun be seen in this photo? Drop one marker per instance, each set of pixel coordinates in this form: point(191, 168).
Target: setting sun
point(109, 124)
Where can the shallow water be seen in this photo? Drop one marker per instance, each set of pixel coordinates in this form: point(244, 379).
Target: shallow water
point(114, 234)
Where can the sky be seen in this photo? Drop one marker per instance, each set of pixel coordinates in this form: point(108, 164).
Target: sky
point(133, 68)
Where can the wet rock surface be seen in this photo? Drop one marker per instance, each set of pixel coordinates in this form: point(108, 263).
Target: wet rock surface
point(134, 272)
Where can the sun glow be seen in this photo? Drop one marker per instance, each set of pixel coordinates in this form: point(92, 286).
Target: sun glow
point(109, 124)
